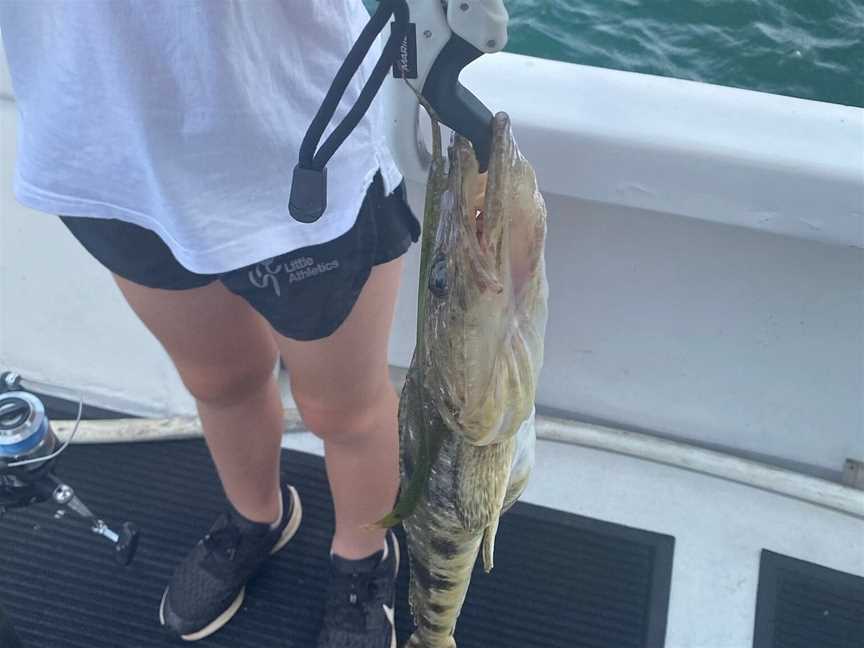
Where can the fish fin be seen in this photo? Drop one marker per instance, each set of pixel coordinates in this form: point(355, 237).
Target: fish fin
point(489, 545)
point(483, 473)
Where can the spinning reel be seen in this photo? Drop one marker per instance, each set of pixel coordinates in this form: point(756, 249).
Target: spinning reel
point(29, 451)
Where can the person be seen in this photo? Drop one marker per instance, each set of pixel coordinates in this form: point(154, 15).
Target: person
point(163, 134)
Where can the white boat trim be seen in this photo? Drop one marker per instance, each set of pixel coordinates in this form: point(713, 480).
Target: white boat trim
point(767, 162)
point(641, 446)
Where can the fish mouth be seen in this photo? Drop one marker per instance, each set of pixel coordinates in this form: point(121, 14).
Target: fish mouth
point(480, 200)
point(500, 233)
point(501, 241)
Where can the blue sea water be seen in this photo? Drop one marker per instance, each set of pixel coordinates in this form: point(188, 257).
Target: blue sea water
point(812, 49)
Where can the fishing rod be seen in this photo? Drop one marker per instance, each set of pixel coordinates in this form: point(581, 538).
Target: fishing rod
point(430, 43)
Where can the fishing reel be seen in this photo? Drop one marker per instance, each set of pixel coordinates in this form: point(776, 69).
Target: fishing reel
point(29, 450)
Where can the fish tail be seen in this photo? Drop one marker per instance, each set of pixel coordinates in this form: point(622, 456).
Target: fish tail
point(416, 642)
point(441, 582)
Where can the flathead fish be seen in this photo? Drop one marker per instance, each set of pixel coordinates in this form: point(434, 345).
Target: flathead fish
point(466, 412)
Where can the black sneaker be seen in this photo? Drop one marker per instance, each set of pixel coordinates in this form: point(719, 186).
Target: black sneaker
point(359, 608)
point(208, 587)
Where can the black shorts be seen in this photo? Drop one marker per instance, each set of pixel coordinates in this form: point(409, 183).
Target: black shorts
point(305, 294)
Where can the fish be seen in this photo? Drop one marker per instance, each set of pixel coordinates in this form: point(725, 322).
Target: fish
point(466, 410)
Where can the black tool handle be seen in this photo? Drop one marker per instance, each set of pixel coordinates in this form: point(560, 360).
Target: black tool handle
point(308, 199)
point(455, 105)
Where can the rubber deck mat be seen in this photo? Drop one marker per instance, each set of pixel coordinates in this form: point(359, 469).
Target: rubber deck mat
point(804, 605)
point(8, 636)
point(560, 581)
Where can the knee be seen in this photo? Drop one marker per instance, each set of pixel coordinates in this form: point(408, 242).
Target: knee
point(351, 418)
point(223, 386)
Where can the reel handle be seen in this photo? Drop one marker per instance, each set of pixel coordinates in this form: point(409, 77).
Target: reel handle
point(10, 381)
point(127, 544)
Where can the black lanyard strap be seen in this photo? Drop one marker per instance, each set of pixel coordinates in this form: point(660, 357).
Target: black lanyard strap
point(309, 188)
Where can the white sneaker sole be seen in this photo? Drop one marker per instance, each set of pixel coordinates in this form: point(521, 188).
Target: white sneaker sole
point(290, 530)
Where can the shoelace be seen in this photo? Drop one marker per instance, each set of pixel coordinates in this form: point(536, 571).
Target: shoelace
point(349, 596)
point(224, 540)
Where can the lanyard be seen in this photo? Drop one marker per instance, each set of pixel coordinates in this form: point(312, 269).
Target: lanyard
point(309, 187)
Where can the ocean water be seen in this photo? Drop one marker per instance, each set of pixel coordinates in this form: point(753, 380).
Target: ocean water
point(812, 49)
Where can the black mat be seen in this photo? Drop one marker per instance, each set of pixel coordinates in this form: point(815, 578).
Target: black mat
point(8, 636)
point(804, 605)
point(561, 581)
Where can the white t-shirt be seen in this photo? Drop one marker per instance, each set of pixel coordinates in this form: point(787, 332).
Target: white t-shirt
point(186, 117)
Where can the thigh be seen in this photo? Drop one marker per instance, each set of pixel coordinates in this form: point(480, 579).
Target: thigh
point(346, 370)
point(218, 342)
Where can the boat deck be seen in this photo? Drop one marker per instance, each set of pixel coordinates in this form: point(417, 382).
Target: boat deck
point(604, 551)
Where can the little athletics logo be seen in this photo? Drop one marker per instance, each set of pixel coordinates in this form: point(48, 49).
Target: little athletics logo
point(268, 273)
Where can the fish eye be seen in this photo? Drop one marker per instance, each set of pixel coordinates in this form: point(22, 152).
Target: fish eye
point(438, 277)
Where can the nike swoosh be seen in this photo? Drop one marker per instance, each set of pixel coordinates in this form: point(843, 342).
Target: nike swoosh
point(388, 612)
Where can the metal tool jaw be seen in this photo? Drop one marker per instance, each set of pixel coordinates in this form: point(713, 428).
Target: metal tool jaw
point(429, 45)
point(443, 39)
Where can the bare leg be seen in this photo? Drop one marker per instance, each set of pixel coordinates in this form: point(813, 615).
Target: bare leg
point(225, 355)
point(342, 388)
